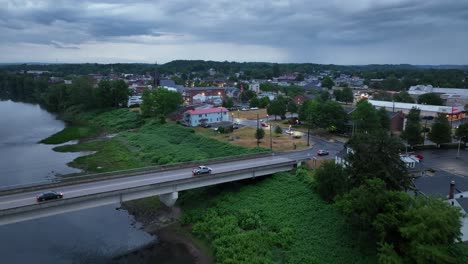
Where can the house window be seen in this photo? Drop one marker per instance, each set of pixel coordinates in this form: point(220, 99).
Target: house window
point(199, 115)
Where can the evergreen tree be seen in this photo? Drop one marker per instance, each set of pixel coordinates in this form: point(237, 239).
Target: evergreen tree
point(412, 132)
point(441, 131)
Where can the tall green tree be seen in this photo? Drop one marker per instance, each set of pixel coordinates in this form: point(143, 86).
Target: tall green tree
point(372, 208)
point(384, 119)
point(430, 99)
point(292, 107)
point(441, 131)
point(259, 134)
point(330, 180)
point(402, 97)
point(82, 93)
point(264, 102)
point(377, 155)
point(254, 102)
point(327, 82)
point(328, 115)
point(347, 95)
point(431, 229)
point(228, 103)
point(160, 102)
point(324, 95)
point(277, 107)
point(413, 129)
point(365, 118)
point(103, 94)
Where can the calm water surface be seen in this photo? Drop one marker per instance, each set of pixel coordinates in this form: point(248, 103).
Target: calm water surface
point(87, 236)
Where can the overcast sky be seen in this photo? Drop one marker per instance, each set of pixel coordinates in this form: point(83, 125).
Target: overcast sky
point(317, 31)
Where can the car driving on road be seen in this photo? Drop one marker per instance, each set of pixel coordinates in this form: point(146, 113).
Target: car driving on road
point(201, 170)
point(50, 195)
point(322, 152)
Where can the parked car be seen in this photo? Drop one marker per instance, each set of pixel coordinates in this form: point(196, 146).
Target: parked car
point(289, 132)
point(418, 156)
point(263, 124)
point(50, 195)
point(201, 170)
point(322, 152)
point(205, 125)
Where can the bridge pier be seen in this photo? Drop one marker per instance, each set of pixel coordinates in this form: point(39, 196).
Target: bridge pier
point(169, 199)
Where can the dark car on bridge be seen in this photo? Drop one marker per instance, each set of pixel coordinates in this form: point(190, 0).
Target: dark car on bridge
point(201, 170)
point(50, 195)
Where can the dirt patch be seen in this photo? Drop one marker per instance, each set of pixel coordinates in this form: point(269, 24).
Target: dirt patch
point(245, 137)
point(174, 241)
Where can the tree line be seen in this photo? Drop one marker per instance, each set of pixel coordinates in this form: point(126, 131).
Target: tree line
point(396, 77)
point(371, 189)
point(80, 95)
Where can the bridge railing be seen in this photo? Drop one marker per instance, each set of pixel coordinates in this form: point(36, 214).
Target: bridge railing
point(83, 178)
point(137, 188)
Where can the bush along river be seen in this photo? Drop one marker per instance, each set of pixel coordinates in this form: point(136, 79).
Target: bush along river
point(97, 235)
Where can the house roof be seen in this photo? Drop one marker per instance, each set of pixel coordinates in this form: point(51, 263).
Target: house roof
point(207, 111)
point(439, 183)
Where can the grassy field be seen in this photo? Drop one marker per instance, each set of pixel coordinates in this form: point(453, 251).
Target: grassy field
point(245, 137)
point(152, 144)
point(275, 220)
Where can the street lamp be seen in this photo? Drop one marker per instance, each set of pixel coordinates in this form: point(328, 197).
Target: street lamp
point(269, 124)
point(459, 143)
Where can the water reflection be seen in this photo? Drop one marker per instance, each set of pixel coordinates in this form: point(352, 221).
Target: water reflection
point(87, 236)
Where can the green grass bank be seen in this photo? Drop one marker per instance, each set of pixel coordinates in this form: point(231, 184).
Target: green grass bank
point(276, 220)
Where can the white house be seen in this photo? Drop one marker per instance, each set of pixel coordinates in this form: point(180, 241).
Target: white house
point(205, 116)
point(254, 87)
point(409, 160)
point(134, 100)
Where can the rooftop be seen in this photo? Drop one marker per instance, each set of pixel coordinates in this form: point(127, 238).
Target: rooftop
point(208, 111)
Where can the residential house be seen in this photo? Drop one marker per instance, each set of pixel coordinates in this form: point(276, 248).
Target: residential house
point(199, 94)
point(445, 184)
point(397, 120)
point(299, 99)
point(254, 86)
point(411, 162)
point(205, 116)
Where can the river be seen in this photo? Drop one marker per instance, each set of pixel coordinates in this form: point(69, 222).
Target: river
point(88, 236)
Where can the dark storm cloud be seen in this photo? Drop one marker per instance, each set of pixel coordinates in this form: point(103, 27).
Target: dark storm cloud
point(296, 26)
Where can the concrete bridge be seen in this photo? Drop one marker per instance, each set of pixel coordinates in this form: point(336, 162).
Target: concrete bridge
point(19, 203)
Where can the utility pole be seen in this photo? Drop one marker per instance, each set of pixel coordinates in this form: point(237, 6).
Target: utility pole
point(308, 129)
point(451, 119)
point(269, 124)
point(258, 140)
point(424, 134)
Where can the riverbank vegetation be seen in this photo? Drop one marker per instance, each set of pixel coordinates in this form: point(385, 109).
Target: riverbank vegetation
point(151, 144)
point(276, 220)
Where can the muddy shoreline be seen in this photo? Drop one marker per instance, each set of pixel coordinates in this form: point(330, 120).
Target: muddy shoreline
point(174, 244)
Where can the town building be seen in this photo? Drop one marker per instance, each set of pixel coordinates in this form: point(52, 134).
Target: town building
point(254, 86)
point(453, 113)
point(205, 116)
point(201, 94)
point(450, 96)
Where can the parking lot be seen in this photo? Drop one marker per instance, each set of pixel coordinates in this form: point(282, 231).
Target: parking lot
point(446, 159)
